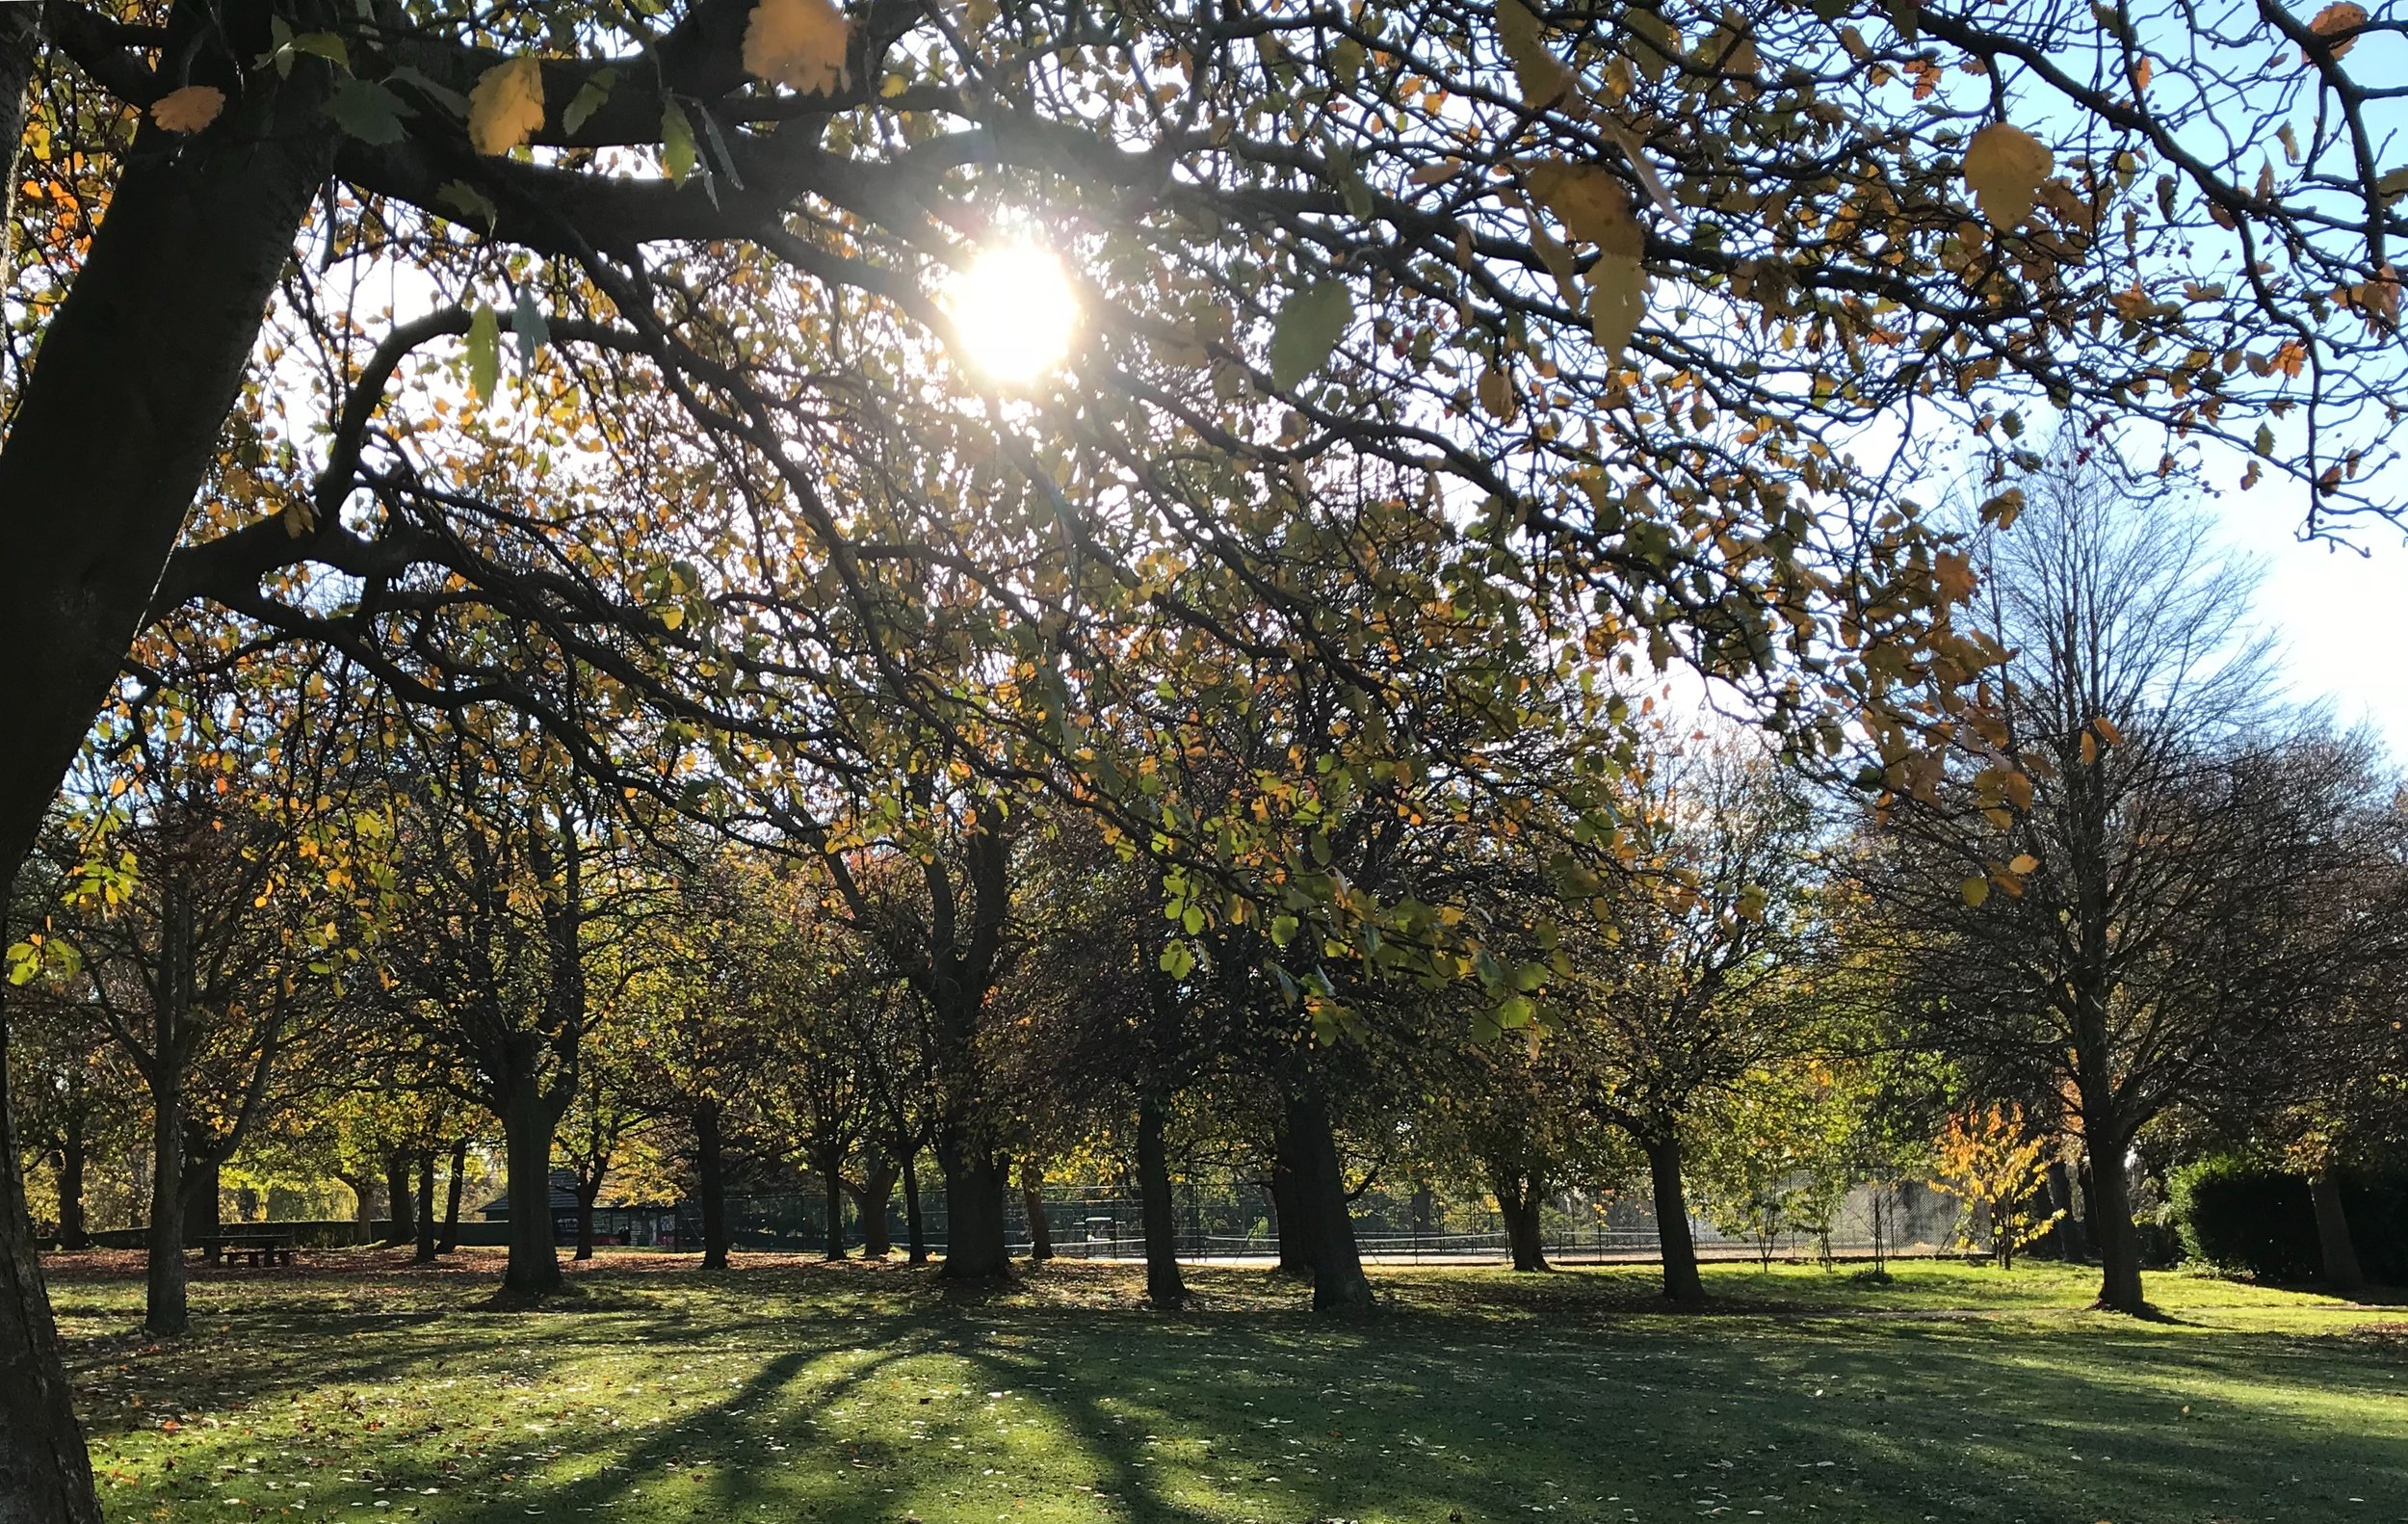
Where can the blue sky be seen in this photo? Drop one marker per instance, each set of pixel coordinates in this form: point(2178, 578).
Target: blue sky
point(2342, 617)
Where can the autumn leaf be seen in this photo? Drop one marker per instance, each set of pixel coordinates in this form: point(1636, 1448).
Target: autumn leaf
point(485, 352)
point(2342, 18)
point(2005, 166)
point(1496, 394)
point(800, 44)
point(189, 109)
point(1311, 321)
point(507, 105)
point(1591, 203)
point(2025, 862)
point(1974, 890)
point(1953, 572)
point(1544, 78)
point(1617, 300)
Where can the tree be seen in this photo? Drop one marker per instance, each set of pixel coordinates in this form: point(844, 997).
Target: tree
point(1293, 231)
point(1991, 1160)
point(1686, 976)
point(512, 894)
point(2139, 873)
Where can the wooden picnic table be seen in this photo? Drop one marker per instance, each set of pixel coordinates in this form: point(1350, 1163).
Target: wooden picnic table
point(257, 1247)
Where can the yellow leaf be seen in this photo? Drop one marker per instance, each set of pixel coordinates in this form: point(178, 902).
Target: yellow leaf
point(2089, 749)
point(1496, 394)
point(189, 109)
point(2107, 730)
point(1543, 76)
point(1974, 890)
point(507, 105)
point(1955, 575)
point(2005, 166)
point(2025, 862)
point(1618, 299)
point(1591, 202)
point(800, 44)
point(2338, 18)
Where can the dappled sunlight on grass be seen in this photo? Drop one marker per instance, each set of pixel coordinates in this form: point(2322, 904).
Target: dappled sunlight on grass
point(786, 1390)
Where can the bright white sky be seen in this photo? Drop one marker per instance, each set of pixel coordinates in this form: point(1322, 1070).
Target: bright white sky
point(2342, 617)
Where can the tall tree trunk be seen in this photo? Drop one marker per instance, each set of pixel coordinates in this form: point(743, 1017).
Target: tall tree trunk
point(202, 1175)
point(1287, 1218)
point(164, 1305)
point(2341, 1272)
point(1680, 1281)
point(1033, 1207)
point(397, 1198)
point(450, 1238)
point(915, 1227)
point(871, 1201)
point(527, 1119)
point(711, 1181)
point(587, 1193)
point(833, 1181)
point(425, 1207)
point(1326, 1219)
point(118, 416)
point(2067, 1235)
point(72, 1154)
point(1517, 1202)
point(975, 1245)
point(364, 1202)
point(2118, 1239)
point(45, 1476)
point(1424, 1207)
point(1164, 1286)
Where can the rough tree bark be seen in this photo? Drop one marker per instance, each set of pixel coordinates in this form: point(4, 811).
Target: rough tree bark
point(1033, 1207)
point(1518, 1197)
point(587, 1193)
point(164, 1311)
point(1164, 1286)
point(529, 1115)
point(871, 1200)
point(832, 1184)
point(1287, 1218)
point(450, 1238)
point(1680, 1281)
point(975, 1247)
point(1325, 1219)
point(711, 1183)
point(2111, 1222)
point(72, 1153)
point(2342, 1270)
point(915, 1227)
point(424, 1254)
point(118, 416)
point(398, 1197)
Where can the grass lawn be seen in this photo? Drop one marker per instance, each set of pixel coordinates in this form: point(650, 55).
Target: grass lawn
point(361, 1389)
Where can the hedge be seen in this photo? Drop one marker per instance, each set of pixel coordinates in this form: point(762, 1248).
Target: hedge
point(2244, 1218)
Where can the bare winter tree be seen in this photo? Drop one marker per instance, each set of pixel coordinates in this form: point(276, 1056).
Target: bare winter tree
point(2143, 905)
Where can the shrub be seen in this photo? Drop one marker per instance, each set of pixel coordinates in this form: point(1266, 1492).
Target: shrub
point(2245, 1217)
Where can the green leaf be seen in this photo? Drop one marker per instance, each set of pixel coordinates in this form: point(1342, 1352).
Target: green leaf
point(366, 111)
point(1192, 921)
point(528, 323)
point(473, 204)
point(326, 45)
point(1311, 321)
point(485, 352)
point(676, 142)
point(1177, 961)
point(588, 99)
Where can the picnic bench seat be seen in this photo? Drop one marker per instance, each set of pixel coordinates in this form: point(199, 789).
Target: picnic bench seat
point(256, 1248)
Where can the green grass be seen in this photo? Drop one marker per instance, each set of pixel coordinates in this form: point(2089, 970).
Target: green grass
point(787, 1391)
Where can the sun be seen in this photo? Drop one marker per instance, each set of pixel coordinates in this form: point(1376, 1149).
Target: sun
point(1015, 310)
